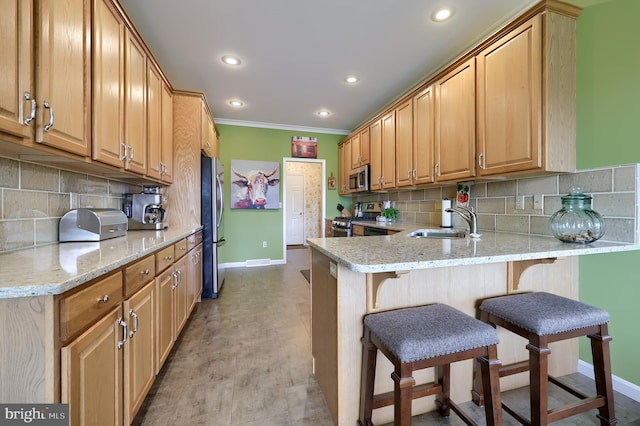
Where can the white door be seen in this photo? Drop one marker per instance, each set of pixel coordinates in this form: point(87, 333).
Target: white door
point(295, 209)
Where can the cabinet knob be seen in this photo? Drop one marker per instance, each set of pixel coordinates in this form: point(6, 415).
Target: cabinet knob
point(104, 299)
point(145, 272)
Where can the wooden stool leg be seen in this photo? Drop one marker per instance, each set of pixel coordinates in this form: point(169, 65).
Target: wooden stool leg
point(539, 381)
point(602, 373)
point(369, 355)
point(443, 378)
point(403, 383)
point(490, 368)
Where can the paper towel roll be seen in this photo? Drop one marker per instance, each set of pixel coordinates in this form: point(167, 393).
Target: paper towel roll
point(446, 216)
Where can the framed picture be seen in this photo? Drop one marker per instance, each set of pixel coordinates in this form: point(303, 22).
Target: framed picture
point(304, 147)
point(331, 182)
point(255, 184)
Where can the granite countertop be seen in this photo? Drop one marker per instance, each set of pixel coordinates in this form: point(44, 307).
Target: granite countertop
point(56, 268)
point(398, 252)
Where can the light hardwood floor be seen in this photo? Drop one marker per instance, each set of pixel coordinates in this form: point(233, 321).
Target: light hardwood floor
point(245, 359)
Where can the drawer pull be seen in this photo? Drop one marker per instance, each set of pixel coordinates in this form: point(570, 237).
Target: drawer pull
point(145, 272)
point(135, 322)
point(169, 257)
point(104, 299)
point(123, 324)
point(183, 248)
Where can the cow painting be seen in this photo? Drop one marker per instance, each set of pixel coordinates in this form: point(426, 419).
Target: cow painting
point(253, 187)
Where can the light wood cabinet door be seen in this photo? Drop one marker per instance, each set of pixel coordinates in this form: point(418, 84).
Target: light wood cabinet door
point(356, 159)
point(194, 277)
point(167, 134)
point(404, 143)
point(17, 93)
point(154, 121)
point(181, 282)
point(455, 123)
point(108, 84)
point(165, 316)
point(509, 85)
point(423, 136)
point(388, 124)
point(209, 136)
point(92, 372)
point(375, 169)
point(139, 351)
point(344, 165)
point(135, 109)
point(365, 150)
point(63, 63)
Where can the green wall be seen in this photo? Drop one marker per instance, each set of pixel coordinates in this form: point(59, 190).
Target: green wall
point(608, 108)
point(245, 230)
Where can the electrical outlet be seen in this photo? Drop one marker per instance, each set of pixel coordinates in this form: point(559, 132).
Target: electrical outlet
point(264, 244)
point(537, 202)
point(520, 202)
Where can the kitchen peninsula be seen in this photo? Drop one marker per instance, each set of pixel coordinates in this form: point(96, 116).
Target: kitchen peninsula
point(351, 277)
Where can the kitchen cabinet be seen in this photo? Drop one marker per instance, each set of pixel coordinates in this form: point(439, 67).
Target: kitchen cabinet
point(119, 91)
point(194, 247)
point(181, 286)
point(159, 126)
point(454, 149)
point(526, 98)
point(209, 135)
point(360, 151)
point(388, 141)
point(375, 169)
point(344, 165)
point(165, 312)
point(52, 38)
point(423, 136)
point(404, 143)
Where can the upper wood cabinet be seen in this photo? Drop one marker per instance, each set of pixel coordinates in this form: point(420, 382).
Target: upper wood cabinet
point(344, 166)
point(375, 170)
point(57, 46)
point(404, 143)
point(360, 149)
point(209, 134)
point(455, 123)
point(388, 141)
point(526, 98)
point(119, 91)
point(423, 136)
point(160, 126)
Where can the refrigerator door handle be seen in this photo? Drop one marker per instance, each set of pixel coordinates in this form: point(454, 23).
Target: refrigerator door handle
point(220, 242)
point(221, 192)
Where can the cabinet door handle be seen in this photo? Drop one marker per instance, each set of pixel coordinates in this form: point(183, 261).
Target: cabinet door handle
point(145, 272)
point(175, 280)
point(123, 324)
point(32, 115)
point(50, 108)
point(135, 322)
point(125, 150)
point(437, 169)
point(132, 154)
point(415, 174)
point(481, 161)
point(104, 299)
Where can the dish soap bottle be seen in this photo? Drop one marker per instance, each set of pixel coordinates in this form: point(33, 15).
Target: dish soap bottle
point(575, 222)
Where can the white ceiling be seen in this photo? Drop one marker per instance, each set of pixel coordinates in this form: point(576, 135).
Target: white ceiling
point(296, 53)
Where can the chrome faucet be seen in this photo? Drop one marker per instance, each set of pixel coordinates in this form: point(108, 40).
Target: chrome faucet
point(467, 214)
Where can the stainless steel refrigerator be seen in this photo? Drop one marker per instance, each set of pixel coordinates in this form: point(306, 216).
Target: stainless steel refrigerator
point(212, 224)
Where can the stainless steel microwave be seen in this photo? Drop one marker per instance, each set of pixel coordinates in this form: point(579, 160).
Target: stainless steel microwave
point(359, 179)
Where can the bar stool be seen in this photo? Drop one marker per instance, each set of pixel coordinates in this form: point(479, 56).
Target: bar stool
point(543, 318)
point(422, 337)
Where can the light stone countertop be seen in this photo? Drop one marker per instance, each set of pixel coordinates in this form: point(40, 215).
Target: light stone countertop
point(398, 252)
point(56, 268)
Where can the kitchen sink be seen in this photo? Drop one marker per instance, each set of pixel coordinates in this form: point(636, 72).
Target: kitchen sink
point(436, 233)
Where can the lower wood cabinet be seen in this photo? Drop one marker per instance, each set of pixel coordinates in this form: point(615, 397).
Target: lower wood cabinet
point(165, 312)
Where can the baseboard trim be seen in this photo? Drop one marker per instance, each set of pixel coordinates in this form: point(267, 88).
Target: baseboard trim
point(620, 385)
point(251, 263)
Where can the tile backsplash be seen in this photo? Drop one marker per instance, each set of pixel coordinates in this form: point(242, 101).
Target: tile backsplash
point(614, 191)
point(33, 198)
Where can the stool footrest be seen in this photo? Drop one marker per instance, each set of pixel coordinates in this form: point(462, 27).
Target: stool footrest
point(418, 391)
point(515, 368)
point(568, 388)
point(576, 407)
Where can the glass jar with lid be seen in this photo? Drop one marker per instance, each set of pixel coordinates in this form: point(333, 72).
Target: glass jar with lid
point(575, 222)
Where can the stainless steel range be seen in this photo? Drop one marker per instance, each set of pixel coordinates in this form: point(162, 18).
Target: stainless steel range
point(367, 212)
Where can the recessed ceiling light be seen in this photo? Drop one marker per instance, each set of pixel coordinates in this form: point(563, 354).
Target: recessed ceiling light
point(351, 79)
point(443, 14)
point(231, 60)
point(236, 103)
point(324, 113)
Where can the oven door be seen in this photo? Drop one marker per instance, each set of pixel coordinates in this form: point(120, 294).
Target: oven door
point(339, 231)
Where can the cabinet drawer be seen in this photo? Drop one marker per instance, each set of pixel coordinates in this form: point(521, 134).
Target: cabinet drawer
point(193, 240)
point(164, 259)
point(138, 274)
point(81, 309)
point(180, 248)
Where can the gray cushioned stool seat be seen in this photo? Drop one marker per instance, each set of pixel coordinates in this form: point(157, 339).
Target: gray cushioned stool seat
point(544, 313)
point(423, 332)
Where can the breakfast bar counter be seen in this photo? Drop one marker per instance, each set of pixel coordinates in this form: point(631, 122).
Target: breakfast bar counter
point(352, 277)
